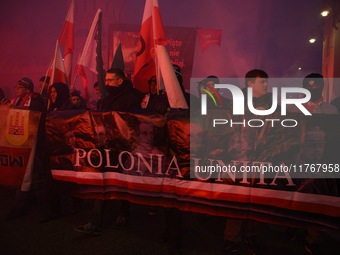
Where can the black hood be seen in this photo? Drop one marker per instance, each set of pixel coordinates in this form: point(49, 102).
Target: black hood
point(63, 94)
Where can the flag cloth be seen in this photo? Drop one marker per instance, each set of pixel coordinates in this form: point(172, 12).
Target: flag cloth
point(118, 60)
point(209, 37)
point(173, 90)
point(88, 56)
point(99, 59)
point(17, 158)
point(168, 174)
point(58, 71)
point(67, 39)
point(152, 32)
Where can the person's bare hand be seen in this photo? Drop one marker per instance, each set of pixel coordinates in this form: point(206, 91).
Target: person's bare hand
point(5, 102)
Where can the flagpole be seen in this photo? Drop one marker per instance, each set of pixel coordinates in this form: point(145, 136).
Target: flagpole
point(75, 77)
point(55, 55)
point(48, 70)
point(154, 41)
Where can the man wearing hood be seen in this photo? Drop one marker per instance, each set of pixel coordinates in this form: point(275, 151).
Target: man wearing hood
point(314, 83)
point(60, 98)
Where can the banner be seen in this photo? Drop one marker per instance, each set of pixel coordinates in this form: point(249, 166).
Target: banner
point(18, 129)
point(180, 47)
point(146, 158)
point(209, 37)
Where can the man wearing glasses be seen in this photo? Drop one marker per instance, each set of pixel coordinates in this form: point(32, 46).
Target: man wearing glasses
point(26, 97)
point(122, 96)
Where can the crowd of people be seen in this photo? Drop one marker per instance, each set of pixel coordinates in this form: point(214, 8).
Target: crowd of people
point(123, 96)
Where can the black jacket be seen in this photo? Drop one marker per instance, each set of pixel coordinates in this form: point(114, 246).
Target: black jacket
point(124, 97)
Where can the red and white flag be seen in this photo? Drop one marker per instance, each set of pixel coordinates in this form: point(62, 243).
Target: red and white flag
point(151, 34)
point(66, 39)
point(57, 72)
point(209, 37)
point(88, 56)
point(173, 90)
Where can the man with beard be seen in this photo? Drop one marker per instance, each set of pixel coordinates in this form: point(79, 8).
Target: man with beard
point(122, 96)
point(314, 83)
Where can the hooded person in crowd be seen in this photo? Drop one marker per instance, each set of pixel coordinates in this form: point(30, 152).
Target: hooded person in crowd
point(60, 101)
point(60, 98)
point(314, 82)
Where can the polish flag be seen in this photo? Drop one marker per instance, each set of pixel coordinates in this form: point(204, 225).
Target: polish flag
point(57, 71)
point(67, 39)
point(151, 34)
point(89, 54)
point(209, 37)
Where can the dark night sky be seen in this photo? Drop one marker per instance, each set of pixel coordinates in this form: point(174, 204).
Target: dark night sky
point(266, 34)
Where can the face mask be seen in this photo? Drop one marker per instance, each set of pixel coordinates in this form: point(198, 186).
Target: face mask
point(111, 90)
point(315, 94)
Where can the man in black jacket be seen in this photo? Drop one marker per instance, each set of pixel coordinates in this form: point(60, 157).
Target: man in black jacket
point(122, 96)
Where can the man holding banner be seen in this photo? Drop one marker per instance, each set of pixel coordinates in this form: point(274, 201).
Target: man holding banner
point(29, 100)
point(235, 228)
point(122, 96)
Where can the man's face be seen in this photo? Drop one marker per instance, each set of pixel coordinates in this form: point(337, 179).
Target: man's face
point(100, 137)
point(208, 86)
point(70, 139)
point(259, 86)
point(312, 152)
point(76, 101)
point(112, 80)
point(146, 135)
point(153, 88)
point(53, 95)
point(21, 91)
point(97, 90)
